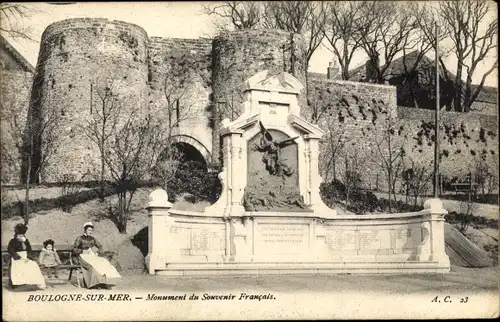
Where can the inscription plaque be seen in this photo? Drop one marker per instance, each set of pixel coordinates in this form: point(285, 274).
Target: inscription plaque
point(283, 238)
point(369, 239)
point(341, 239)
point(203, 240)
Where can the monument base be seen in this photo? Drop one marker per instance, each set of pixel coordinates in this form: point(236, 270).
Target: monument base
point(275, 268)
point(262, 243)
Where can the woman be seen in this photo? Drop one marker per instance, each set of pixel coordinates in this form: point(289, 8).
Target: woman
point(96, 270)
point(22, 269)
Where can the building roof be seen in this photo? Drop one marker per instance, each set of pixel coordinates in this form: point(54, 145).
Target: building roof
point(488, 93)
point(25, 64)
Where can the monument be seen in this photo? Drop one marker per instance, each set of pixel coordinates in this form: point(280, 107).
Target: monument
point(270, 218)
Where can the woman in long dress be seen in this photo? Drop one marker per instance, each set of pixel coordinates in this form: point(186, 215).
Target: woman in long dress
point(96, 270)
point(23, 270)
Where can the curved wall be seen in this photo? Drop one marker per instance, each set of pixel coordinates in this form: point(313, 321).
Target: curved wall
point(78, 58)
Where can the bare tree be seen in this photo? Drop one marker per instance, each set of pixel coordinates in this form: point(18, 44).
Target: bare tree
point(467, 210)
point(416, 179)
point(352, 174)
point(386, 28)
point(130, 154)
point(103, 120)
point(473, 31)
point(39, 137)
point(388, 154)
point(12, 17)
point(341, 29)
point(333, 144)
point(302, 17)
point(13, 127)
point(237, 15)
point(416, 69)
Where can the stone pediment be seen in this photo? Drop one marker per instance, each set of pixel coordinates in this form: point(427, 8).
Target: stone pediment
point(269, 82)
point(301, 125)
point(307, 129)
point(239, 125)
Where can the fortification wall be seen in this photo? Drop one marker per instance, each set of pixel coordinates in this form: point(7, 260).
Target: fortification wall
point(355, 118)
point(487, 121)
point(466, 140)
point(78, 59)
point(239, 55)
point(349, 113)
point(15, 89)
point(180, 69)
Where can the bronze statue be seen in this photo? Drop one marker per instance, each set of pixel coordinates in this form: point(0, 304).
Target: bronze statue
point(271, 150)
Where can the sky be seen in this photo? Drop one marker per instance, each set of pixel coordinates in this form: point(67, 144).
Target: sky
point(163, 19)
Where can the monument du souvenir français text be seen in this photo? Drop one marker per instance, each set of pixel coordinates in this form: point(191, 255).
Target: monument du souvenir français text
point(270, 218)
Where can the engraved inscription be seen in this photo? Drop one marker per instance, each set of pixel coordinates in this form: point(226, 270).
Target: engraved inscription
point(206, 240)
point(341, 239)
point(283, 237)
point(369, 239)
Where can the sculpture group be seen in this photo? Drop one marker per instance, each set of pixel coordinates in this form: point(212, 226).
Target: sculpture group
point(271, 149)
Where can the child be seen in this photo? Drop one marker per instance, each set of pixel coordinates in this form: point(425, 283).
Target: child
point(49, 258)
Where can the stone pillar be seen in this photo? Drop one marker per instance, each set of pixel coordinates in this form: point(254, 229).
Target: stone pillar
point(158, 237)
point(314, 179)
point(237, 174)
point(436, 213)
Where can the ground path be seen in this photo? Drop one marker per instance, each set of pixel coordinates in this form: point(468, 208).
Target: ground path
point(295, 296)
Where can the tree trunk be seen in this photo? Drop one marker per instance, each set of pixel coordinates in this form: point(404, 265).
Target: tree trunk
point(28, 177)
point(101, 183)
point(27, 196)
point(121, 211)
point(390, 188)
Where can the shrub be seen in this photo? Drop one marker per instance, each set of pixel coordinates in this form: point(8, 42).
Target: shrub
point(191, 177)
point(360, 201)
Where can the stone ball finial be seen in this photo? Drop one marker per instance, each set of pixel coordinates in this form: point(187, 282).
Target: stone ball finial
point(159, 198)
point(434, 205)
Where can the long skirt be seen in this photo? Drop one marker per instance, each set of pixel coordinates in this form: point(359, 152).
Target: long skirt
point(25, 272)
point(97, 270)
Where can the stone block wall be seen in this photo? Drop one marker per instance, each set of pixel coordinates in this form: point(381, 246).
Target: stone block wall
point(78, 59)
point(355, 115)
point(239, 55)
point(465, 139)
point(180, 69)
point(15, 88)
point(350, 113)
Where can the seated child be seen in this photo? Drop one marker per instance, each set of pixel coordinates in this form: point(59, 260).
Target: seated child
point(49, 259)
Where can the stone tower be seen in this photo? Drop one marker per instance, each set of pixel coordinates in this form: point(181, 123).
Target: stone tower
point(241, 54)
point(77, 59)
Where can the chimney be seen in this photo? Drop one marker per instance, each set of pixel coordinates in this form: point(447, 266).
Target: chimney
point(332, 71)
